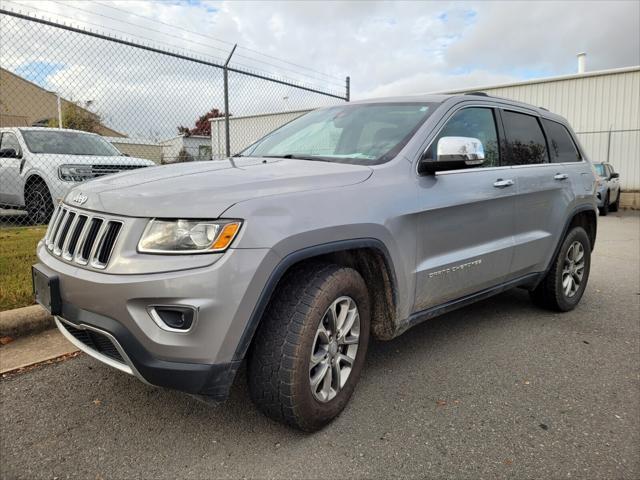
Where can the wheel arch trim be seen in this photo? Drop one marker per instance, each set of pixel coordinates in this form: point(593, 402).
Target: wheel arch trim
point(295, 257)
point(565, 229)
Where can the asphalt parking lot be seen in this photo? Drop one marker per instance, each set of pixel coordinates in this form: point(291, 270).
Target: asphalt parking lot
point(494, 390)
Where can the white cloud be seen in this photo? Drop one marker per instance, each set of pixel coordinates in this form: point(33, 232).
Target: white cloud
point(388, 48)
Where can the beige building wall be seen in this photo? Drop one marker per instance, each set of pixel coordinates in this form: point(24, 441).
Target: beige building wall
point(23, 103)
point(150, 152)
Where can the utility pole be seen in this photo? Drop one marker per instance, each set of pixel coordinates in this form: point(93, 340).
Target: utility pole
point(59, 111)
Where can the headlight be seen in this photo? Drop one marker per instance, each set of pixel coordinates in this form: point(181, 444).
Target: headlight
point(188, 236)
point(75, 173)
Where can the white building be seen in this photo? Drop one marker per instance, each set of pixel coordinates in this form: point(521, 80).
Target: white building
point(603, 107)
point(245, 130)
point(194, 147)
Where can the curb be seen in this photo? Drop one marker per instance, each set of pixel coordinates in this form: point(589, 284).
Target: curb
point(24, 321)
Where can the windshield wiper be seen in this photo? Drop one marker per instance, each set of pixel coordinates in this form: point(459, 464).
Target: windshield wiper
point(296, 156)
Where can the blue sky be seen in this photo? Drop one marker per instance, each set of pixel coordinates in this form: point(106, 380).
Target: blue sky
point(39, 72)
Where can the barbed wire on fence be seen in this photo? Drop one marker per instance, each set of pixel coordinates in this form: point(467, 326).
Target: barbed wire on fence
point(76, 104)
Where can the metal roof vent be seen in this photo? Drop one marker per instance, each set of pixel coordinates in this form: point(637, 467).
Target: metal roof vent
point(582, 62)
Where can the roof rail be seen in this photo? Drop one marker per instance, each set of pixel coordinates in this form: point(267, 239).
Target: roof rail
point(545, 109)
point(478, 94)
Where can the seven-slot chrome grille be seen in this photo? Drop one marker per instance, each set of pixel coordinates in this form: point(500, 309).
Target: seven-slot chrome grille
point(82, 237)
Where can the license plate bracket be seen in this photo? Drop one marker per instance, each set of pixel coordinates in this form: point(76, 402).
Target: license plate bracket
point(46, 288)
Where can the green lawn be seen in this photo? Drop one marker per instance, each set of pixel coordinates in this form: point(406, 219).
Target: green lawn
point(17, 254)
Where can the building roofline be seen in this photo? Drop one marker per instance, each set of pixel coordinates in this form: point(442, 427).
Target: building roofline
point(131, 141)
point(182, 135)
point(559, 78)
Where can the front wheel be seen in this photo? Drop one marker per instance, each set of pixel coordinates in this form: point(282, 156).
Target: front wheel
point(563, 286)
point(39, 203)
point(615, 206)
point(311, 346)
point(604, 210)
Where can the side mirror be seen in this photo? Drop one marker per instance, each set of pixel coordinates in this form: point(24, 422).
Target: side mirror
point(615, 175)
point(454, 153)
point(9, 153)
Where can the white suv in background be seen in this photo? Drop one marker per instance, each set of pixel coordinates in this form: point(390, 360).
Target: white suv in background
point(39, 165)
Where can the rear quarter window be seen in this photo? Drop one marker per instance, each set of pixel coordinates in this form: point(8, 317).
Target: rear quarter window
point(561, 146)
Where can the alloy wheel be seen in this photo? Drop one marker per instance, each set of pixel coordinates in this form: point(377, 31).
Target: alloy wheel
point(334, 349)
point(573, 269)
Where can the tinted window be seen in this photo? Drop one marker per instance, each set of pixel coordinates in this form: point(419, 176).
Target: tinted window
point(561, 146)
point(525, 139)
point(475, 123)
point(9, 141)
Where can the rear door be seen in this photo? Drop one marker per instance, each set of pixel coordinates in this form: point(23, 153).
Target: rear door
point(544, 193)
point(466, 217)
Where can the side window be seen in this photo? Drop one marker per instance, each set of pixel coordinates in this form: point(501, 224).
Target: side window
point(525, 140)
point(475, 123)
point(9, 140)
point(561, 145)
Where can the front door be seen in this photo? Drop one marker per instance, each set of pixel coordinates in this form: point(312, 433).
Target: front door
point(466, 218)
point(11, 184)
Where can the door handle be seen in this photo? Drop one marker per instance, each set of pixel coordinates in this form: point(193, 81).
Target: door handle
point(500, 183)
point(560, 176)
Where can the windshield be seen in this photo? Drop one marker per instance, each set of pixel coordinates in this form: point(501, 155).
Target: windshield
point(68, 143)
point(365, 134)
point(600, 169)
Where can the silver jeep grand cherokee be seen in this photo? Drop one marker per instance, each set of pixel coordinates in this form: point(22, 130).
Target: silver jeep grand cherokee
point(357, 220)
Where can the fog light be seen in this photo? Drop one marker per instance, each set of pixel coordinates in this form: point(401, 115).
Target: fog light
point(173, 318)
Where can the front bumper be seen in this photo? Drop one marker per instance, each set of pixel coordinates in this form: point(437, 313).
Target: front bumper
point(109, 342)
point(201, 361)
point(600, 197)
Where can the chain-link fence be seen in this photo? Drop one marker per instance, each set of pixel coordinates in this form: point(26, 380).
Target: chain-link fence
point(143, 105)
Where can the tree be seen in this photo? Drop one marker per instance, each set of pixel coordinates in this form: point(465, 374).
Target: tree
point(183, 156)
point(78, 118)
point(203, 125)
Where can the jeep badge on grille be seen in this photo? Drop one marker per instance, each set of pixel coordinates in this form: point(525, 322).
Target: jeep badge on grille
point(79, 198)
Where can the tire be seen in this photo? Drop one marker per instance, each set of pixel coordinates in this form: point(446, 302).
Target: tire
point(39, 203)
point(552, 292)
point(616, 205)
point(604, 210)
point(289, 341)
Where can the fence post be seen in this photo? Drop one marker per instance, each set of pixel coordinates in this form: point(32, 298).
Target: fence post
point(348, 89)
point(227, 136)
point(59, 111)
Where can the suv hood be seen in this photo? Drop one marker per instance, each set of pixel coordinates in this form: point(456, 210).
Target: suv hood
point(63, 159)
point(207, 189)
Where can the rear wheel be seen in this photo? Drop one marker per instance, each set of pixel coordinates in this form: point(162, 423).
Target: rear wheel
point(311, 346)
point(563, 286)
point(39, 203)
